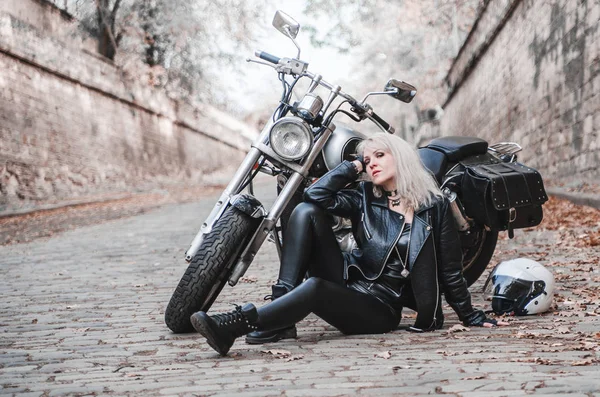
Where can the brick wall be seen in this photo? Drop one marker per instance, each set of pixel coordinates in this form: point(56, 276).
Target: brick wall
point(70, 127)
point(530, 72)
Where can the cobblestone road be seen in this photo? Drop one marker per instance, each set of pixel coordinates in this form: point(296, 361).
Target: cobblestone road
point(82, 314)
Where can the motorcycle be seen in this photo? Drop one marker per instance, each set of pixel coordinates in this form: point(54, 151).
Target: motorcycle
point(299, 143)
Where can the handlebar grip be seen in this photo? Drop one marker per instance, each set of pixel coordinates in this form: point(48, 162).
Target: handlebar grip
point(267, 57)
point(386, 126)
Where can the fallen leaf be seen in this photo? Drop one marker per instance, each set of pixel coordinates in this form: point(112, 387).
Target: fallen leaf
point(458, 328)
point(277, 353)
point(294, 358)
point(589, 361)
point(386, 354)
point(474, 377)
point(397, 368)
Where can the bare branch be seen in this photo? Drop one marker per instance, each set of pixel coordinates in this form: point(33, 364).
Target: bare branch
point(107, 25)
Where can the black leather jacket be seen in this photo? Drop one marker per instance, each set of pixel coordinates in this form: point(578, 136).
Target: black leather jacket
point(435, 256)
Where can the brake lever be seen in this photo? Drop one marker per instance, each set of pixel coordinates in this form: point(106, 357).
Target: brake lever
point(261, 63)
point(359, 110)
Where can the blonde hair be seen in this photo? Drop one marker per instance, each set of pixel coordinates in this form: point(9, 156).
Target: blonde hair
point(414, 183)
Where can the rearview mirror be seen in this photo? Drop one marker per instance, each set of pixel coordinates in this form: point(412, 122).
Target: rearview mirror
point(401, 90)
point(286, 24)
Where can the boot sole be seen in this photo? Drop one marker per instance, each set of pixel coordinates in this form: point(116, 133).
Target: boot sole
point(202, 323)
point(288, 333)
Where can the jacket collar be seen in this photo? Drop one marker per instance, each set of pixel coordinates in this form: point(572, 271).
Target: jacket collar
point(383, 202)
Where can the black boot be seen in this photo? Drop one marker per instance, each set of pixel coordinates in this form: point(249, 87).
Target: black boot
point(221, 330)
point(260, 337)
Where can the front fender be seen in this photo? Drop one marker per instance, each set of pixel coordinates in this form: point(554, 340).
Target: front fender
point(249, 205)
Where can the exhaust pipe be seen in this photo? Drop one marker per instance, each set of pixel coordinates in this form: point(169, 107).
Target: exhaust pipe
point(457, 210)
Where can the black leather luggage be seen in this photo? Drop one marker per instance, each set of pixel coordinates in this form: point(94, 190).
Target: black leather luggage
point(504, 196)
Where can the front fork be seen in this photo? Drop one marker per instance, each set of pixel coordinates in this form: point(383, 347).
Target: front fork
point(232, 188)
point(268, 222)
point(282, 201)
point(244, 171)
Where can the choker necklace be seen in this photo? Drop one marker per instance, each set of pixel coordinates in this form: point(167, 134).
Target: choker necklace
point(395, 202)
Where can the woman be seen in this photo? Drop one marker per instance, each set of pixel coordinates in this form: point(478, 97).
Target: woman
point(408, 254)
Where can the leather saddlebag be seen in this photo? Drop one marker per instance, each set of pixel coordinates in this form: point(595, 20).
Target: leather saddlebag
point(503, 196)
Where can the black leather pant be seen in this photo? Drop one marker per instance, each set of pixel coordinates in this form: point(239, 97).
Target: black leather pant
point(310, 245)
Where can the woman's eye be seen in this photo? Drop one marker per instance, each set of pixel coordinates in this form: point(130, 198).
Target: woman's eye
point(380, 154)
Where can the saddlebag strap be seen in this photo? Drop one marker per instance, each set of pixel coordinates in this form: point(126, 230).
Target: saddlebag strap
point(504, 196)
point(500, 195)
point(513, 185)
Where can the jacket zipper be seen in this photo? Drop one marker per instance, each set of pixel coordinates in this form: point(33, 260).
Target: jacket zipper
point(437, 281)
point(386, 258)
point(393, 245)
point(362, 219)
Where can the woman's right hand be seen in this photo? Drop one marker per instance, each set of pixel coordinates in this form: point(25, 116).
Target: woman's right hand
point(359, 163)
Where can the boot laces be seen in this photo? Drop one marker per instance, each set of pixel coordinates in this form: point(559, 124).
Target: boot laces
point(235, 318)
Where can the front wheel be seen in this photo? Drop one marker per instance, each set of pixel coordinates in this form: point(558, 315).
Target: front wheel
point(209, 269)
point(478, 247)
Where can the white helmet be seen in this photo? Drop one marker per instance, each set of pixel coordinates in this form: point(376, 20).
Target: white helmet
point(521, 286)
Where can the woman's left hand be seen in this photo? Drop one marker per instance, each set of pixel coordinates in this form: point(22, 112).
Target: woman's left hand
point(479, 319)
point(490, 323)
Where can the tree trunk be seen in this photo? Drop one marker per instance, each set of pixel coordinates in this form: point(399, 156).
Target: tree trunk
point(107, 45)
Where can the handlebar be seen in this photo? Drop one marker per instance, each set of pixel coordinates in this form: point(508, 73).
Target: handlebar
point(365, 111)
point(267, 57)
point(384, 124)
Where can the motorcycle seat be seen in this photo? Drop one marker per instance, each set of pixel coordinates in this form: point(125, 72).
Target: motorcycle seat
point(435, 161)
point(457, 148)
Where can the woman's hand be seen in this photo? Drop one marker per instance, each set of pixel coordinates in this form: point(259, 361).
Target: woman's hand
point(359, 163)
point(479, 319)
point(490, 323)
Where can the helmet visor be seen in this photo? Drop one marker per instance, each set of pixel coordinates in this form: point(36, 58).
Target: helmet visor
point(508, 287)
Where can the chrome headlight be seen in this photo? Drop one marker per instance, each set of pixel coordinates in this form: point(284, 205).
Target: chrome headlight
point(291, 138)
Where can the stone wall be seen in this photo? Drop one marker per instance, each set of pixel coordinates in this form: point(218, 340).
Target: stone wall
point(529, 72)
point(71, 127)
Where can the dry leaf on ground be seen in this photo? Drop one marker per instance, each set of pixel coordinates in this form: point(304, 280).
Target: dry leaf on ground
point(277, 353)
point(585, 362)
point(458, 328)
point(475, 377)
point(386, 354)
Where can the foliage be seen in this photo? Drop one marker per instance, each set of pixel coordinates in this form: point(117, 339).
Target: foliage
point(414, 41)
point(186, 47)
point(175, 44)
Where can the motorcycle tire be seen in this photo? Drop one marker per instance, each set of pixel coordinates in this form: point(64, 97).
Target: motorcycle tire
point(209, 269)
point(477, 252)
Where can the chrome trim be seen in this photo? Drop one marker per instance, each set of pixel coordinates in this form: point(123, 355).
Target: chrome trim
point(311, 105)
point(457, 211)
point(305, 129)
point(394, 91)
point(277, 208)
point(270, 153)
point(232, 188)
point(509, 148)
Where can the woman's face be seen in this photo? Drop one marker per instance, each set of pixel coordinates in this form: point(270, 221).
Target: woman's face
point(381, 167)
